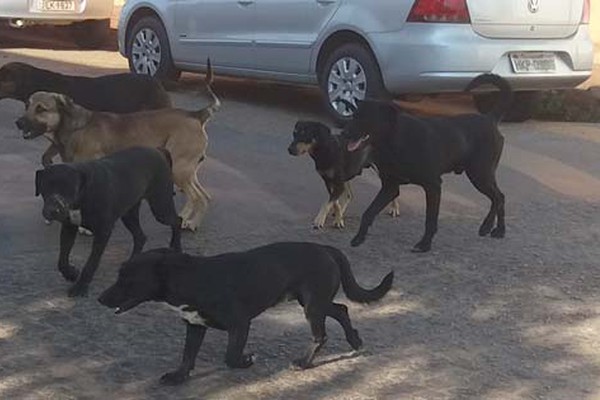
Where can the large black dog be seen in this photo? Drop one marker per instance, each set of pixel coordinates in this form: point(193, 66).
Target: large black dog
point(118, 93)
point(227, 291)
point(335, 164)
point(408, 149)
point(95, 194)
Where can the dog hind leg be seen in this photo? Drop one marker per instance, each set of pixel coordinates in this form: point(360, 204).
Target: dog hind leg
point(316, 318)
point(339, 312)
point(193, 340)
point(200, 207)
point(237, 337)
point(163, 208)
point(433, 194)
point(487, 186)
point(131, 220)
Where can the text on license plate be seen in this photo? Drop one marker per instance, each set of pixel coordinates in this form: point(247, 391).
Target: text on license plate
point(524, 63)
point(56, 5)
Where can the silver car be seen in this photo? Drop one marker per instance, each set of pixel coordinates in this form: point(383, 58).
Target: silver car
point(358, 48)
point(88, 19)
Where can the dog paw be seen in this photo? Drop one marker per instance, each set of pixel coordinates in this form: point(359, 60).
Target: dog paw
point(85, 232)
point(69, 272)
point(78, 290)
point(300, 364)
point(393, 212)
point(47, 222)
point(355, 341)
point(498, 232)
point(188, 226)
point(485, 229)
point(339, 224)
point(421, 247)
point(357, 241)
point(246, 361)
point(173, 378)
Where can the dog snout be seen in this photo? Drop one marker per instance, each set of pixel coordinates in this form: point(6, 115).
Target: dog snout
point(51, 213)
point(21, 123)
point(293, 150)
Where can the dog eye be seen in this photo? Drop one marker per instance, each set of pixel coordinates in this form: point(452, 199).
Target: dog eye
point(40, 109)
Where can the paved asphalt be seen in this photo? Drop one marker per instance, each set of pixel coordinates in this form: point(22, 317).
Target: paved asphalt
point(476, 318)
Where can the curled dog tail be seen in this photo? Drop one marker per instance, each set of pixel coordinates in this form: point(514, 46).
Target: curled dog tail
point(204, 114)
point(506, 93)
point(167, 155)
point(353, 290)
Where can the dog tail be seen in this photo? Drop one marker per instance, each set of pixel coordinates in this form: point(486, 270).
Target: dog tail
point(207, 112)
point(506, 93)
point(353, 290)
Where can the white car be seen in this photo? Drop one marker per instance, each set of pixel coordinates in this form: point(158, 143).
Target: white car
point(89, 19)
point(365, 48)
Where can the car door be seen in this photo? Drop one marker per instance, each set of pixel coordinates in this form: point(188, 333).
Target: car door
point(220, 29)
point(287, 30)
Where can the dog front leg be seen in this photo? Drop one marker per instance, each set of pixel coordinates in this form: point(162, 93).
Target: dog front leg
point(387, 193)
point(394, 207)
point(68, 233)
point(80, 287)
point(49, 154)
point(433, 194)
point(337, 191)
point(319, 221)
point(235, 357)
point(193, 340)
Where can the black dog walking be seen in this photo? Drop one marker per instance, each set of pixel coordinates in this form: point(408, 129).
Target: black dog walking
point(228, 290)
point(408, 149)
point(95, 194)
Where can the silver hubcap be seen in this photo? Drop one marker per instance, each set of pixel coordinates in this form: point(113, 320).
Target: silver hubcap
point(347, 80)
point(145, 52)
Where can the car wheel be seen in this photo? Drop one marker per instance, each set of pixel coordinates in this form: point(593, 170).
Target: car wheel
point(520, 110)
point(90, 34)
point(148, 50)
point(351, 73)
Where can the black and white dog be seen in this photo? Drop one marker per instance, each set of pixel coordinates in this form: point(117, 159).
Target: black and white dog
point(94, 194)
point(228, 290)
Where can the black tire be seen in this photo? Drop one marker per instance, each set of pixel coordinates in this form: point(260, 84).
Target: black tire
point(90, 34)
point(364, 57)
point(520, 110)
point(166, 70)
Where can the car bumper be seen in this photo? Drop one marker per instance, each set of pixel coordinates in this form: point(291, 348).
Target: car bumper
point(29, 11)
point(429, 58)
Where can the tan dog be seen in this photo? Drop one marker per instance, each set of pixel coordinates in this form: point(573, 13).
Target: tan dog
point(81, 134)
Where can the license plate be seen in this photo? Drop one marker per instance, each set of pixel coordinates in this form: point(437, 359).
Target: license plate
point(530, 63)
point(56, 5)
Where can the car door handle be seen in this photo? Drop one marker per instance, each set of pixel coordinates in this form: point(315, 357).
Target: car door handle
point(326, 2)
point(245, 2)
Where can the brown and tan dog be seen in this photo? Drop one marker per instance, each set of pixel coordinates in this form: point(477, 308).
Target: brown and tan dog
point(117, 93)
point(81, 134)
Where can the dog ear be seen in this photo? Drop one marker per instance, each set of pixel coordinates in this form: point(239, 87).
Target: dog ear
point(64, 103)
point(323, 131)
point(38, 181)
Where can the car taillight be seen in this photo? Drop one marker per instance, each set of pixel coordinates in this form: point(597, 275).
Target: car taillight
point(585, 16)
point(451, 11)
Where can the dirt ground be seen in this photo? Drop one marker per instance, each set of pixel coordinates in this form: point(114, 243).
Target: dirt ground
point(476, 318)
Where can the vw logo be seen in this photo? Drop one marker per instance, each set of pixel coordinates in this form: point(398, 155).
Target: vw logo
point(533, 5)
